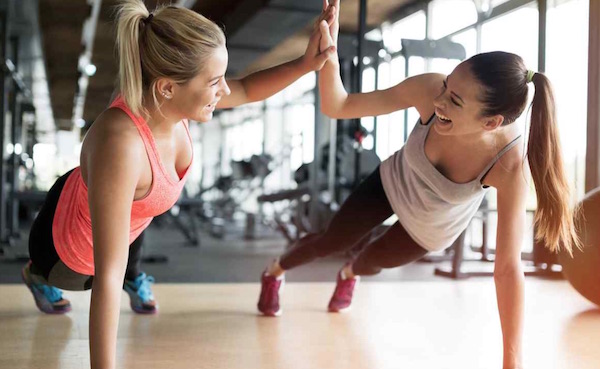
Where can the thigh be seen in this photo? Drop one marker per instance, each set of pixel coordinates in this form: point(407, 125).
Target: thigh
point(41, 243)
point(392, 249)
point(366, 207)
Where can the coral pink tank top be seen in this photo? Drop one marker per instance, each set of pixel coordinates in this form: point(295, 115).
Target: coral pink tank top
point(72, 225)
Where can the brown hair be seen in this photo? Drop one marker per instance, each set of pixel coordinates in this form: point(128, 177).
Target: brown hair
point(173, 43)
point(505, 87)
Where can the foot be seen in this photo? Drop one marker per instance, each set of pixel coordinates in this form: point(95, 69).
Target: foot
point(47, 298)
point(342, 296)
point(268, 303)
point(140, 294)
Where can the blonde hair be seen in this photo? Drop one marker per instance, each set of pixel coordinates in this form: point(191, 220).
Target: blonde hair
point(173, 43)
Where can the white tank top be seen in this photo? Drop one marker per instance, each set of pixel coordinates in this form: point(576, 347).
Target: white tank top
point(433, 209)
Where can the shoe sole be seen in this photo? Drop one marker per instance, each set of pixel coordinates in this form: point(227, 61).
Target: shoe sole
point(39, 306)
point(270, 314)
point(340, 311)
point(144, 311)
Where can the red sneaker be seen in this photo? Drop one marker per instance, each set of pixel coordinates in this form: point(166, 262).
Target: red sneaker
point(342, 296)
point(268, 303)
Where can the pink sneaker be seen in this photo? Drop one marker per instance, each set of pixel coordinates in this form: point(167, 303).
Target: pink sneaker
point(342, 296)
point(268, 303)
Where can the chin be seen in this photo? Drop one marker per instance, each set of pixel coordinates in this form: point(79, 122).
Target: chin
point(202, 117)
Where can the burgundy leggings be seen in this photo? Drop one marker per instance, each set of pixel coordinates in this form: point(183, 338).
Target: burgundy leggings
point(366, 208)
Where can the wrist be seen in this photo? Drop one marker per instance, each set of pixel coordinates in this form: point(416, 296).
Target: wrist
point(512, 363)
point(302, 64)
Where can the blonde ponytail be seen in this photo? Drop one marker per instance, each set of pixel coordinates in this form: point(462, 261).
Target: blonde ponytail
point(174, 44)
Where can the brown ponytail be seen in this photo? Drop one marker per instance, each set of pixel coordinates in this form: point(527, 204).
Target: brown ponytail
point(505, 80)
point(554, 218)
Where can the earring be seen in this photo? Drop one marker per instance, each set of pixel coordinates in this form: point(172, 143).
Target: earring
point(168, 97)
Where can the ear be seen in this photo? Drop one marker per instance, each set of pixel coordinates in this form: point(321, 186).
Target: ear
point(165, 88)
point(493, 122)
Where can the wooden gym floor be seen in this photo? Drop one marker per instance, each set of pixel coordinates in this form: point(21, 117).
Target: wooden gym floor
point(392, 325)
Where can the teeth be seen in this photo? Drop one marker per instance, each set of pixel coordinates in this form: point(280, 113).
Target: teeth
point(443, 117)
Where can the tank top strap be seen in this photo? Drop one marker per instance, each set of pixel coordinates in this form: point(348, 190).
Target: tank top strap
point(488, 167)
point(143, 129)
point(186, 124)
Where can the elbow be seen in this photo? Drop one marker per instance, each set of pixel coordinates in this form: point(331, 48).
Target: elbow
point(325, 109)
point(331, 111)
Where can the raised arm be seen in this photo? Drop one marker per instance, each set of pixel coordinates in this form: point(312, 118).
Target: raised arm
point(112, 175)
point(266, 83)
point(418, 91)
point(508, 273)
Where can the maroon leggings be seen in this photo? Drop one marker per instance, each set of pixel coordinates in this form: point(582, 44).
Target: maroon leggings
point(366, 208)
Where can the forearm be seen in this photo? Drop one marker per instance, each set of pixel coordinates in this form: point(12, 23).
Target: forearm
point(266, 83)
point(510, 296)
point(332, 92)
point(104, 321)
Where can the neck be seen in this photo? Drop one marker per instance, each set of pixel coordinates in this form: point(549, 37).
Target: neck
point(159, 121)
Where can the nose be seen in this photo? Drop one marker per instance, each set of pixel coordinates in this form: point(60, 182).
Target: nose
point(225, 88)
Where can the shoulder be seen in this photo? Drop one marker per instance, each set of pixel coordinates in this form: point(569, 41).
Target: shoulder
point(509, 173)
point(113, 136)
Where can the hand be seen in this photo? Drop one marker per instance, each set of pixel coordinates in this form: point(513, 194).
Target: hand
point(316, 53)
point(334, 27)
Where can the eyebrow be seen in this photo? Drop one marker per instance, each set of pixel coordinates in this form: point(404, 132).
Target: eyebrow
point(215, 78)
point(454, 93)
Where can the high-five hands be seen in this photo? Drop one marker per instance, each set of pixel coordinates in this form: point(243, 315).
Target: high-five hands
point(321, 45)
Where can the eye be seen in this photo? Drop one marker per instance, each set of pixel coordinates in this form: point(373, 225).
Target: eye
point(454, 102)
point(216, 83)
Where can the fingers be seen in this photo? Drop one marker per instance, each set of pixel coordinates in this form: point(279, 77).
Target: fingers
point(324, 56)
point(325, 4)
point(326, 41)
point(327, 14)
point(326, 38)
point(336, 6)
point(331, 16)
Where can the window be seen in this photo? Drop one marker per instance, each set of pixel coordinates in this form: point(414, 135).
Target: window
point(411, 27)
point(449, 16)
point(566, 67)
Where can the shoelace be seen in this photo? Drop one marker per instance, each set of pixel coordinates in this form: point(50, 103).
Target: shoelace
point(53, 294)
point(142, 285)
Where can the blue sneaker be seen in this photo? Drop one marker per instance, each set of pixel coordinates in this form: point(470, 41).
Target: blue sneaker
point(47, 298)
point(140, 294)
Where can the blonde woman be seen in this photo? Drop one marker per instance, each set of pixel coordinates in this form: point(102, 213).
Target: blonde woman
point(464, 143)
point(135, 160)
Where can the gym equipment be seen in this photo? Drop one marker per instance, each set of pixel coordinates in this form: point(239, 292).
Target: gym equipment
point(583, 269)
point(16, 99)
point(291, 215)
point(540, 262)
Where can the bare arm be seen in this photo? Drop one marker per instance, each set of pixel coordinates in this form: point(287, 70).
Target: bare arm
point(266, 83)
point(418, 91)
point(508, 273)
point(112, 174)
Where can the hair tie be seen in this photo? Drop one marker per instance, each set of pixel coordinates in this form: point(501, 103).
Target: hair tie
point(530, 75)
point(149, 19)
